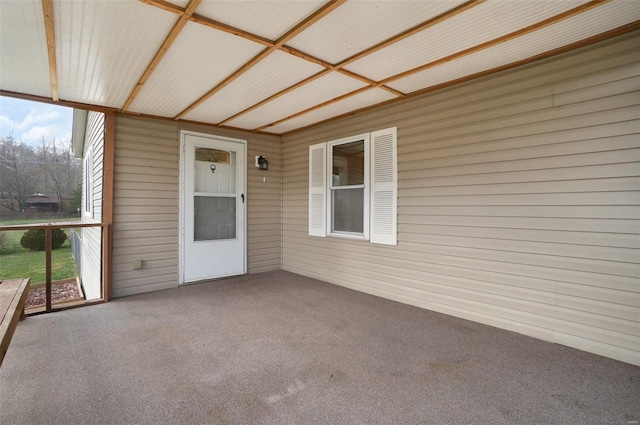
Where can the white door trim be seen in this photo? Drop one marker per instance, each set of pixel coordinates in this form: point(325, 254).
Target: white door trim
point(181, 201)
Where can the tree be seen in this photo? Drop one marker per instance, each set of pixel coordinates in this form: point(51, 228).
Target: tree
point(19, 174)
point(60, 168)
point(50, 169)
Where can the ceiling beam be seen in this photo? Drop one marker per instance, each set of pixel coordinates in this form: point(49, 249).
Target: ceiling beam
point(164, 5)
point(202, 20)
point(318, 106)
point(412, 31)
point(47, 9)
point(235, 75)
point(524, 31)
point(304, 24)
point(171, 37)
point(276, 95)
point(625, 29)
point(310, 20)
point(340, 67)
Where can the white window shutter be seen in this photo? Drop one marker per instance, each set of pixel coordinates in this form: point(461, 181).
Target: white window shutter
point(317, 190)
point(384, 187)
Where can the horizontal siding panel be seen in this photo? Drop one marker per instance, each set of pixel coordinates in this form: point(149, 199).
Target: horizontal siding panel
point(561, 237)
point(595, 79)
point(612, 226)
point(138, 250)
point(148, 208)
point(598, 91)
point(155, 285)
point(594, 211)
point(568, 186)
point(413, 197)
point(504, 307)
point(506, 296)
point(471, 260)
point(146, 171)
point(626, 169)
point(147, 263)
point(167, 257)
point(121, 242)
point(142, 179)
point(569, 161)
point(587, 120)
point(136, 218)
point(519, 202)
point(135, 234)
point(474, 154)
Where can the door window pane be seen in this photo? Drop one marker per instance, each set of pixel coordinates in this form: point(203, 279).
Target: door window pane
point(215, 171)
point(347, 213)
point(214, 218)
point(348, 164)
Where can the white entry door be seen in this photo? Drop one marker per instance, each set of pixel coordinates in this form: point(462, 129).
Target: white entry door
point(213, 242)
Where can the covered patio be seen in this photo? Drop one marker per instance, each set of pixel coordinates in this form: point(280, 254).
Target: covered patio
point(280, 348)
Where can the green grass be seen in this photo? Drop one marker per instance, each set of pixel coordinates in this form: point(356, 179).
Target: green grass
point(18, 262)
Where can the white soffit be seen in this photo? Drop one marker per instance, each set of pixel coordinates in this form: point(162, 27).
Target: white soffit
point(358, 25)
point(361, 100)
point(275, 73)
point(593, 22)
point(199, 59)
point(24, 59)
point(487, 21)
point(268, 19)
point(103, 48)
point(318, 91)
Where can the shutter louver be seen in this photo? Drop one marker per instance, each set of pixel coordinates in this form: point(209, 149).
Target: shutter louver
point(384, 187)
point(317, 190)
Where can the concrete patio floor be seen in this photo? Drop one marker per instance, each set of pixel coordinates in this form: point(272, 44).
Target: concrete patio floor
point(279, 348)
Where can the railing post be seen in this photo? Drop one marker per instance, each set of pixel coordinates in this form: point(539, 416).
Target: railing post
point(47, 249)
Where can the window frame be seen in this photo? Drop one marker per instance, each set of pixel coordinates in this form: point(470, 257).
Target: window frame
point(381, 188)
point(365, 137)
point(87, 202)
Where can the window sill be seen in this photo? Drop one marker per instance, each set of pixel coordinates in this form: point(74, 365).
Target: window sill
point(348, 236)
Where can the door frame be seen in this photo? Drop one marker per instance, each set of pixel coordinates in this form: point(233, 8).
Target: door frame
point(181, 200)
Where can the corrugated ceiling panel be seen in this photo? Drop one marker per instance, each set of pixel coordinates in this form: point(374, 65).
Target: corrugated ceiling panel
point(606, 17)
point(320, 90)
point(25, 64)
point(334, 39)
point(362, 100)
point(198, 60)
point(269, 19)
point(275, 73)
point(104, 47)
point(487, 21)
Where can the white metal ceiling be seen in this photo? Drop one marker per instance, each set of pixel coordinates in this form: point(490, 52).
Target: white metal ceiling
point(277, 66)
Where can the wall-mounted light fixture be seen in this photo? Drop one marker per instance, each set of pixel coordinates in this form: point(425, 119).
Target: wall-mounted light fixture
point(262, 163)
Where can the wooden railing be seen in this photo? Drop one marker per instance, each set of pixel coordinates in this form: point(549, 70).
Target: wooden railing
point(48, 228)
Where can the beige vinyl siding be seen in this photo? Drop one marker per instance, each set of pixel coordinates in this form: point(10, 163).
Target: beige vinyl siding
point(518, 202)
point(146, 199)
point(91, 273)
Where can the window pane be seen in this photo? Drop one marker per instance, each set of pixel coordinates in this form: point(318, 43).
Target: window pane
point(215, 218)
point(348, 164)
point(215, 171)
point(347, 213)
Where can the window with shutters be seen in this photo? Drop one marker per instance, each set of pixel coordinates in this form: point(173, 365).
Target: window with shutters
point(353, 187)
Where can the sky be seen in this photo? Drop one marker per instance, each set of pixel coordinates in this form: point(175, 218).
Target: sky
point(30, 121)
